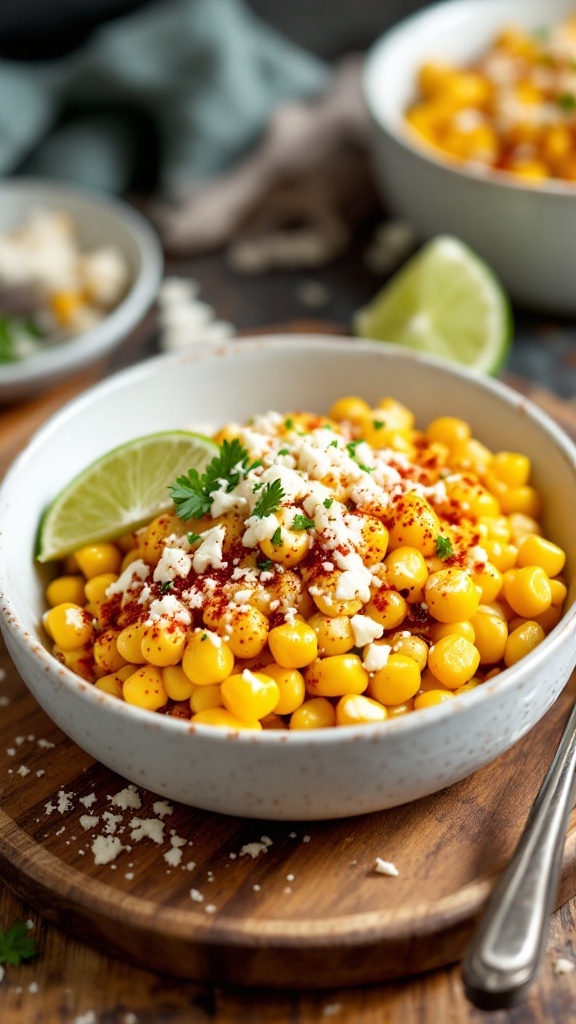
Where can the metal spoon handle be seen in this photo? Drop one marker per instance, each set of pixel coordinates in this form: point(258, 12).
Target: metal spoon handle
point(507, 951)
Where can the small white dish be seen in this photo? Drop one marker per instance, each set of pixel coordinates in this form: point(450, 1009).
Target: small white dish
point(101, 221)
point(327, 773)
point(525, 232)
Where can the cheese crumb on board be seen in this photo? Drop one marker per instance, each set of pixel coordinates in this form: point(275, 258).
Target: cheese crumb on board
point(106, 849)
point(127, 798)
point(564, 966)
point(147, 828)
point(385, 867)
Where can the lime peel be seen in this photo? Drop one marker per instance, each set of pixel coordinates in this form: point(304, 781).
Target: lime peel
point(445, 302)
point(120, 491)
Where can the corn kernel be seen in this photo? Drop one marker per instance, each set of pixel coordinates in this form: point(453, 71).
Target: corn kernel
point(453, 660)
point(207, 658)
point(65, 590)
point(145, 688)
point(355, 709)
point(335, 676)
point(250, 696)
point(293, 644)
point(316, 713)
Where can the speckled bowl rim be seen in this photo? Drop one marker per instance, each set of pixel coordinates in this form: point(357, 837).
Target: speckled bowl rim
point(532, 664)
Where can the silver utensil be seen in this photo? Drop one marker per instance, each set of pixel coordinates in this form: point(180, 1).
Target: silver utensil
point(507, 951)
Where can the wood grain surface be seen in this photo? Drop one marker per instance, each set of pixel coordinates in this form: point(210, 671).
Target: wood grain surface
point(356, 925)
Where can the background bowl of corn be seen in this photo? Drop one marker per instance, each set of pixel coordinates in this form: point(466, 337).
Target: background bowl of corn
point(473, 106)
point(282, 774)
point(78, 271)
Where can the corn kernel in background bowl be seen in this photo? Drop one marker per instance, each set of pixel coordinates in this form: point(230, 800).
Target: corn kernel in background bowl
point(121, 267)
point(284, 775)
point(523, 228)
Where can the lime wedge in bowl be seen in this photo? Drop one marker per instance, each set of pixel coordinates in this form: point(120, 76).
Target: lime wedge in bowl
point(120, 491)
point(446, 302)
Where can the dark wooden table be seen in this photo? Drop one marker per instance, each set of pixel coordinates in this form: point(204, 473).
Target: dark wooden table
point(70, 983)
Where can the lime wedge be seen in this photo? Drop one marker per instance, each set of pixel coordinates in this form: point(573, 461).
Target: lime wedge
point(121, 491)
point(446, 302)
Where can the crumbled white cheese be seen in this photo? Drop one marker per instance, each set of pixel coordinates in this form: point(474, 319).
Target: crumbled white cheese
point(106, 849)
point(365, 630)
point(132, 577)
point(376, 657)
point(89, 821)
point(168, 607)
point(196, 896)
point(147, 828)
point(385, 867)
point(209, 552)
point(162, 808)
point(253, 849)
point(173, 562)
point(564, 966)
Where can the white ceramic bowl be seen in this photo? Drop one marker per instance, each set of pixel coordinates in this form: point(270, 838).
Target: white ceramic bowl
point(284, 775)
point(525, 232)
point(100, 220)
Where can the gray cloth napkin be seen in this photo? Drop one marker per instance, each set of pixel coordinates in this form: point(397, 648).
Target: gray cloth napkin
point(209, 73)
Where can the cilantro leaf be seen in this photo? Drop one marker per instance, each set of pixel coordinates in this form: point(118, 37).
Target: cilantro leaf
point(16, 944)
point(265, 564)
point(192, 537)
point(443, 547)
point(302, 522)
point(192, 493)
point(166, 587)
point(270, 499)
point(328, 502)
point(277, 538)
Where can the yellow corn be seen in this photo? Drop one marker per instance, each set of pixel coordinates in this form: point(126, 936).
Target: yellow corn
point(334, 632)
point(291, 688)
point(176, 683)
point(397, 682)
point(65, 590)
point(451, 595)
point(453, 660)
point(129, 643)
point(528, 591)
point(250, 696)
point(293, 644)
point(317, 713)
point(336, 676)
point(69, 626)
point(223, 718)
point(407, 572)
point(207, 658)
point(145, 688)
point(95, 559)
point(521, 641)
point(534, 550)
point(355, 709)
point(490, 636)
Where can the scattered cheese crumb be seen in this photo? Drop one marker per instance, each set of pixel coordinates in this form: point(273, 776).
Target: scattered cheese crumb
point(87, 801)
point(253, 849)
point(196, 896)
point(331, 1009)
point(162, 808)
point(23, 771)
point(564, 966)
point(147, 828)
point(306, 839)
point(385, 867)
point(89, 821)
point(127, 798)
point(86, 1018)
point(106, 849)
point(210, 908)
point(4, 701)
point(33, 987)
point(256, 888)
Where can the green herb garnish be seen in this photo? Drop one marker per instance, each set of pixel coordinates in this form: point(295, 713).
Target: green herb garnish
point(265, 564)
point(16, 944)
point(302, 522)
point(192, 493)
point(166, 587)
point(443, 547)
point(192, 537)
point(328, 502)
point(271, 498)
point(277, 538)
point(567, 102)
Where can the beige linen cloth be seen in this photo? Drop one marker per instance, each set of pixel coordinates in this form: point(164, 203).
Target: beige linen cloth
point(295, 200)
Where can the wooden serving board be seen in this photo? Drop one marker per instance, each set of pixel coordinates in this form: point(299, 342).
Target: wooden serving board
point(286, 905)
